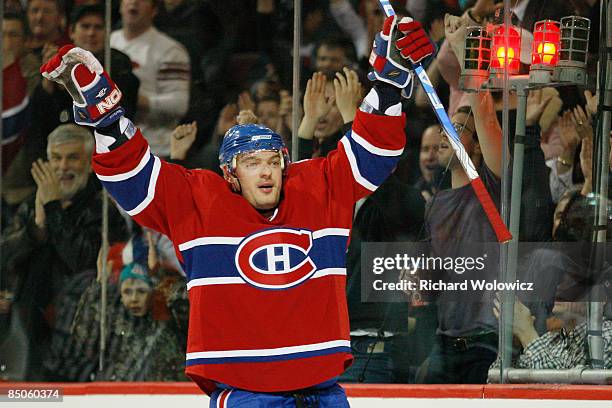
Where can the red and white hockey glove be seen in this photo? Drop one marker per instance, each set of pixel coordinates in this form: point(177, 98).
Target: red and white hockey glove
point(396, 48)
point(95, 96)
point(414, 45)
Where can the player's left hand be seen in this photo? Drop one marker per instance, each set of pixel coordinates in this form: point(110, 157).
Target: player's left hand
point(397, 48)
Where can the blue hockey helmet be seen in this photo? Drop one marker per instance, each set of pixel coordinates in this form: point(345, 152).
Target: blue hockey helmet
point(250, 138)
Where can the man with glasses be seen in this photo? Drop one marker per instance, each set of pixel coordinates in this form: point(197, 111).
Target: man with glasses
point(467, 329)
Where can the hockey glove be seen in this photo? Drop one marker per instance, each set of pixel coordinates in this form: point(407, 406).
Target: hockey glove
point(95, 96)
point(396, 48)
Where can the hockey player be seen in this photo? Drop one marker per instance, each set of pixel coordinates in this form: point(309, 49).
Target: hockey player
point(264, 246)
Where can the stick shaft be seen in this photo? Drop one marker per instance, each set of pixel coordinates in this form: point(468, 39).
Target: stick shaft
point(501, 231)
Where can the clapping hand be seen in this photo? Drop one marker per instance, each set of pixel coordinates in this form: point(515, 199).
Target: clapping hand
point(536, 103)
point(582, 120)
point(316, 105)
point(523, 322)
point(348, 94)
point(47, 181)
point(568, 134)
point(181, 140)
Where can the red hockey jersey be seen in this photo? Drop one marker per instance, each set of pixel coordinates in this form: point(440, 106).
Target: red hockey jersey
point(267, 296)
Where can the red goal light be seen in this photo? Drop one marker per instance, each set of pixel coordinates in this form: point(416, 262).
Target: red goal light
point(546, 43)
point(544, 51)
point(502, 58)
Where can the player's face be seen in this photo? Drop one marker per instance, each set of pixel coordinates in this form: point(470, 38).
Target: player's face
point(446, 152)
point(331, 123)
point(71, 164)
point(137, 14)
point(135, 296)
point(428, 155)
point(261, 178)
point(330, 60)
point(88, 33)
point(44, 18)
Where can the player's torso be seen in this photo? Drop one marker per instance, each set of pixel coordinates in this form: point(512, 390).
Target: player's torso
point(266, 290)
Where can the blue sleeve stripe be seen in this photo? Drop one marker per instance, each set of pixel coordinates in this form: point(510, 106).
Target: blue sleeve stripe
point(124, 176)
point(369, 169)
point(136, 193)
point(151, 191)
point(354, 167)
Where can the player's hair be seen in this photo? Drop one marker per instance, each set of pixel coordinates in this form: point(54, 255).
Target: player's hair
point(70, 133)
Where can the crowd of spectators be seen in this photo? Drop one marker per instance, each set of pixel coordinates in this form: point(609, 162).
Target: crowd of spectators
point(191, 69)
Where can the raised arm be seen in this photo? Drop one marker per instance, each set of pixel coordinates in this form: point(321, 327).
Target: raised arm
point(371, 150)
point(488, 130)
point(142, 184)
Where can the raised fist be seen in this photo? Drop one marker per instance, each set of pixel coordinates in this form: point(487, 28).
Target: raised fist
point(95, 96)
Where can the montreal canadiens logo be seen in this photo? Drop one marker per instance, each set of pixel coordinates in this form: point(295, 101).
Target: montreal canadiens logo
point(276, 259)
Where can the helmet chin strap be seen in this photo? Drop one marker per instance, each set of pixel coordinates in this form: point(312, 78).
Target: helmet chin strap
point(233, 181)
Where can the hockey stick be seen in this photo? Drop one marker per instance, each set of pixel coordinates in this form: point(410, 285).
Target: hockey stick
point(501, 231)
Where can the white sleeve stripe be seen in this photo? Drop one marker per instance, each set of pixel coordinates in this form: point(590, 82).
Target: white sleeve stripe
point(330, 231)
point(329, 271)
point(232, 280)
point(215, 281)
point(151, 192)
point(373, 149)
point(210, 241)
point(124, 176)
point(354, 168)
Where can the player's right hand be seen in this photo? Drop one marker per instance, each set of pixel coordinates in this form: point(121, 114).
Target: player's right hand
point(95, 96)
